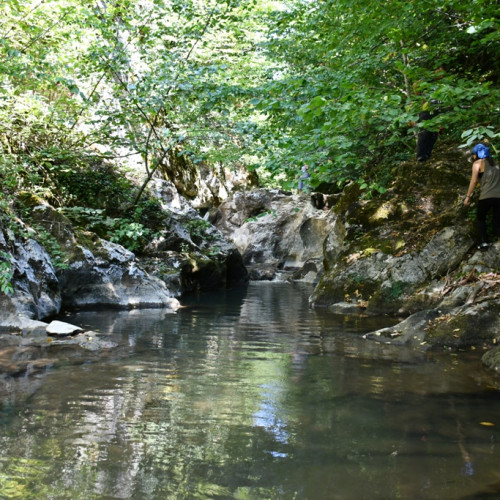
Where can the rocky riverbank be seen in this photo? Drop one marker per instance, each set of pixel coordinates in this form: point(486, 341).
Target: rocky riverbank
point(90, 272)
point(409, 253)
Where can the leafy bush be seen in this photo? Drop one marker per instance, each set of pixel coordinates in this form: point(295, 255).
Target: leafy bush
point(57, 255)
point(197, 229)
point(149, 213)
point(124, 231)
point(6, 273)
point(132, 235)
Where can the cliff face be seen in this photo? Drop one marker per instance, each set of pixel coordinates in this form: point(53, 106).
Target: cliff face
point(205, 186)
point(276, 231)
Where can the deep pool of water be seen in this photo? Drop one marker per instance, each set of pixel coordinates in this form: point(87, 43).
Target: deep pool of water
point(249, 394)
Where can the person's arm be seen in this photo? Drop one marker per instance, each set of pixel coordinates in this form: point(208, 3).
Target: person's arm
point(476, 166)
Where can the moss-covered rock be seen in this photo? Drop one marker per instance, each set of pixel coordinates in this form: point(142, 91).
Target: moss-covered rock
point(472, 325)
point(491, 359)
point(398, 242)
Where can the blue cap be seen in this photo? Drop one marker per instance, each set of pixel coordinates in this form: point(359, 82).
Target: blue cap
point(481, 151)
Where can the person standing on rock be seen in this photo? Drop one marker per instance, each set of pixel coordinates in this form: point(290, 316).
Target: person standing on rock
point(426, 138)
point(485, 170)
point(303, 178)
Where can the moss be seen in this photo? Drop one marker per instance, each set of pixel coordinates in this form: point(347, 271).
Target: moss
point(200, 273)
point(88, 240)
point(370, 251)
point(30, 200)
point(350, 196)
point(369, 243)
point(419, 302)
point(422, 199)
point(389, 299)
point(327, 292)
point(383, 212)
point(462, 330)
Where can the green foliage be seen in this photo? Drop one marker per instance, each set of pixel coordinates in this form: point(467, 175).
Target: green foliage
point(350, 77)
point(371, 188)
point(396, 290)
point(149, 213)
point(262, 214)
point(128, 232)
point(478, 134)
point(156, 78)
point(198, 230)
point(132, 235)
point(83, 217)
point(338, 85)
point(6, 274)
point(58, 256)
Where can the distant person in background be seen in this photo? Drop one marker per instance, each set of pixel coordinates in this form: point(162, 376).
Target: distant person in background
point(485, 170)
point(303, 178)
point(426, 138)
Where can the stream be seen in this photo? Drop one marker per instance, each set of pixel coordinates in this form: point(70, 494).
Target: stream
point(249, 394)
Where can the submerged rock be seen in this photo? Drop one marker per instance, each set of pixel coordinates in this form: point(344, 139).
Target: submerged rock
point(35, 350)
point(19, 360)
point(411, 331)
point(90, 341)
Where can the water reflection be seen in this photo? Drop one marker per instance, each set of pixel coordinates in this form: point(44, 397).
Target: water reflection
point(249, 394)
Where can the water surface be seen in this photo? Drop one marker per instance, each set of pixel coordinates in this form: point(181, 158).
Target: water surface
point(249, 394)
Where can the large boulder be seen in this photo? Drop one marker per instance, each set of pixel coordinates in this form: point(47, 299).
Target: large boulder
point(190, 253)
point(387, 283)
point(467, 318)
point(274, 229)
point(35, 288)
point(107, 275)
point(95, 272)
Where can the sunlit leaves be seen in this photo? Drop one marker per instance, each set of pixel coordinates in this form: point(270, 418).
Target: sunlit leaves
point(368, 69)
point(335, 84)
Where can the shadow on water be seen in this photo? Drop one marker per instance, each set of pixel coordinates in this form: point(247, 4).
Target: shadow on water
point(250, 394)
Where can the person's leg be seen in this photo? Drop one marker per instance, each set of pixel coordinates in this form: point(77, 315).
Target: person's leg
point(482, 211)
point(496, 216)
point(432, 141)
point(425, 144)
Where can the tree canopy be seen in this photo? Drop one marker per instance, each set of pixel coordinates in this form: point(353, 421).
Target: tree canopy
point(354, 75)
point(266, 84)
